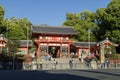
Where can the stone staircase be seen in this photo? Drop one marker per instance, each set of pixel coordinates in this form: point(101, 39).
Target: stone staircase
point(63, 63)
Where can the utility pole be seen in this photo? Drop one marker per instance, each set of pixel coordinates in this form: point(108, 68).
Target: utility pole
point(27, 38)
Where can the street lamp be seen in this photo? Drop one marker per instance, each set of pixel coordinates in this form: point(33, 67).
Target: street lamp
point(13, 55)
point(13, 60)
point(89, 41)
point(7, 27)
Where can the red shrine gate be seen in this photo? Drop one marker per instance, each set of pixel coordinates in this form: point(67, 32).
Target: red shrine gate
point(53, 41)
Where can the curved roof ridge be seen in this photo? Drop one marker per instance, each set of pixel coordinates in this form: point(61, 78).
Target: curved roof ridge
point(84, 42)
point(52, 26)
point(53, 30)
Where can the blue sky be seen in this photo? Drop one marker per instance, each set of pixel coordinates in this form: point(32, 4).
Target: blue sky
point(50, 12)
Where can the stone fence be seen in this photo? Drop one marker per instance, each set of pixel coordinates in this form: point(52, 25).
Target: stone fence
point(67, 66)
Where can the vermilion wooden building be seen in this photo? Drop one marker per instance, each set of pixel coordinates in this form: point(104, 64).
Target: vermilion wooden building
point(23, 49)
point(24, 46)
point(3, 42)
point(54, 41)
point(57, 42)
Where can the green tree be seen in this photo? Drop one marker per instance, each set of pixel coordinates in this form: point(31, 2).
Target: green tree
point(12, 49)
point(1, 12)
point(14, 32)
point(82, 23)
point(2, 28)
point(13, 46)
point(25, 25)
point(17, 28)
point(108, 20)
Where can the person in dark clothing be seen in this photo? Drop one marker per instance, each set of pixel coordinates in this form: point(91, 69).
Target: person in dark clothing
point(55, 63)
point(107, 63)
point(71, 64)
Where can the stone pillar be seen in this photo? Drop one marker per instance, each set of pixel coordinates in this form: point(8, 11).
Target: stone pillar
point(102, 57)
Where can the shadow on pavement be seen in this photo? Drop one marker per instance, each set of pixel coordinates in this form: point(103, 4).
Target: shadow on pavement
point(39, 75)
point(101, 72)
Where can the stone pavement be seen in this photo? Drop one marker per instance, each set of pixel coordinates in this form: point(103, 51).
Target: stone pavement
point(87, 74)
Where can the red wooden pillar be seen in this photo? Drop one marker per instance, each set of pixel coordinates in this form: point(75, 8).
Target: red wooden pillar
point(97, 52)
point(61, 50)
point(68, 50)
point(38, 51)
point(27, 50)
point(58, 53)
point(78, 52)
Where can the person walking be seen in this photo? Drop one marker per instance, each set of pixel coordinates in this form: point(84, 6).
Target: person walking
point(40, 65)
point(107, 63)
point(71, 64)
point(55, 63)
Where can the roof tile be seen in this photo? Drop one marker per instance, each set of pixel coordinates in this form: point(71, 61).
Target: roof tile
point(53, 30)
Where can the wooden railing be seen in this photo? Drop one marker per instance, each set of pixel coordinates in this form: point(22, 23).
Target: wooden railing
point(46, 40)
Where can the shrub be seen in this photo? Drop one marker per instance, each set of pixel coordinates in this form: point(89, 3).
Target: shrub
point(112, 56)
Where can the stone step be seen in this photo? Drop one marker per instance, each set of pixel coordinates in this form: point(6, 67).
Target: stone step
point(63, 63)
point(60, 60)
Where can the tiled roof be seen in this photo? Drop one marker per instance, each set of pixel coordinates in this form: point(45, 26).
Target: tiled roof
point(24, 43)
point(53, 30)
point(3, 39)
point(107, 40)
point(84, 43)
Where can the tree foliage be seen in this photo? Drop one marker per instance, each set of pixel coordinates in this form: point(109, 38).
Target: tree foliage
point(108, 20)
point(1, 19)
point(14, 28)
point(1, 13)
point(13, 46)
point(17, 28)
point(82, 23)
point(105, 22)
